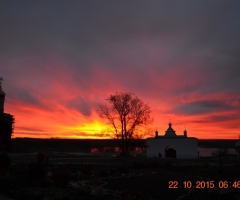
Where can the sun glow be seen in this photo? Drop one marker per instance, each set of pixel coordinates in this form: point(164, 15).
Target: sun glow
point(92, 130)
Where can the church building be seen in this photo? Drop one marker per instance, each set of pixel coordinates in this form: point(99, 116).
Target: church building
point(6, 123)
point(171, 145)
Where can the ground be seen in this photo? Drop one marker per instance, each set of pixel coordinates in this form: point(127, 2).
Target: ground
point(132, 178)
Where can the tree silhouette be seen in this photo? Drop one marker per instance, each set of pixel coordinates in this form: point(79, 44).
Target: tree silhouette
point(128, 118)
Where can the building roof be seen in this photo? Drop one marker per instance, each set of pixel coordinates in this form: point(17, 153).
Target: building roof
point(171, 134)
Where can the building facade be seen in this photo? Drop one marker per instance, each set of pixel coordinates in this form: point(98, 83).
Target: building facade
point(6, 123)
point(171, 145)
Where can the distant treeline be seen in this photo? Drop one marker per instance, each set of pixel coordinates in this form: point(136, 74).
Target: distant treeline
point(217, 143)
point(32, 144)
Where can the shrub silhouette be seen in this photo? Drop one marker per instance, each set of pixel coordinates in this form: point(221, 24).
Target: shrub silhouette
point(35, 172)
point(61, 178)
point(40, 158)
point(5, 161)
point(86, 169)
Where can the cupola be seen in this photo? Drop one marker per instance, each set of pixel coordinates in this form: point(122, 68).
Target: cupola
point(185, 133)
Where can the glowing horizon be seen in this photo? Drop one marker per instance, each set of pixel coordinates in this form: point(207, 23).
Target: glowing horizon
point(77, 126)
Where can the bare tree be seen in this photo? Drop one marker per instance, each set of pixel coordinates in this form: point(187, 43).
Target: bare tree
point(127, 117)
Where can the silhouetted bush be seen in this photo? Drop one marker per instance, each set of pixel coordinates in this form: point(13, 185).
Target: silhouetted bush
point(84, 191)
point(35, 172)
point(123, 169)
point(132, 194)
point(61, 178)
point(168, 163)
point(5, 161)
point(86, 169)
point(42, 158)
point(145, 163)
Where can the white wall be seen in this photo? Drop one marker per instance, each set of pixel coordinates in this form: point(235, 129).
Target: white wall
point(185, 147)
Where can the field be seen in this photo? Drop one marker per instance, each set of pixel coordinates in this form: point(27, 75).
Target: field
point(30, 144)
point(63, 176)
point(67, 170)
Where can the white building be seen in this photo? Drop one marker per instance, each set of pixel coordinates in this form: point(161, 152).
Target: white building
point(172, 146)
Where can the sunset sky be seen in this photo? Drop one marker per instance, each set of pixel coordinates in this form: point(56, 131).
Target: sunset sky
point(61, 59)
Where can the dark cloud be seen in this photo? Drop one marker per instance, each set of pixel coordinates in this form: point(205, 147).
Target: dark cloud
point(28, 98)
point(216, 118)
point(206, 106)
point(31, 99)
point(86, 27)
point(121, 36)
point(81, 105)
point(34, 129)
